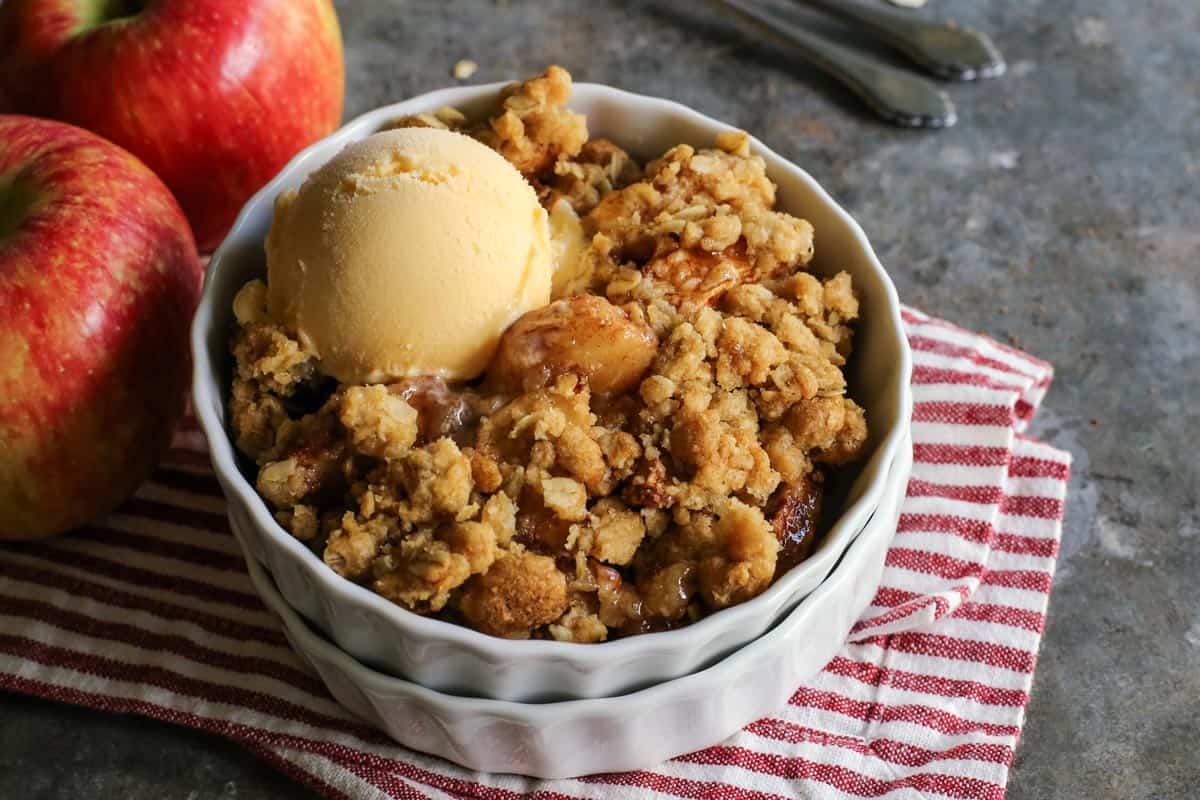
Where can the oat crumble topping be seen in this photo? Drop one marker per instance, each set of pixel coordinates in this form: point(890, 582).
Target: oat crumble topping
point(649, 448)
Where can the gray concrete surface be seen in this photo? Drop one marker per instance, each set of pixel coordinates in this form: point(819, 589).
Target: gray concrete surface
point(1062, 215)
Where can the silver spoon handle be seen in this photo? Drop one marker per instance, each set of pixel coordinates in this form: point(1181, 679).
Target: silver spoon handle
point(946, 49)
point(893, 94)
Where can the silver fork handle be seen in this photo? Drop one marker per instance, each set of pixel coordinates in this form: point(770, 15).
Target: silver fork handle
point(947, 49)
point(895, 95)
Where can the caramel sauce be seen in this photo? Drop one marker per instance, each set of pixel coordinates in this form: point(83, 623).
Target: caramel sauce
point(795, 513)
point(539, 528)
point(700, 277)
point(441, 411)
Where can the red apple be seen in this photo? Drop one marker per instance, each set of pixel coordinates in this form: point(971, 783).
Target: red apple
point(99, 278)
point(213, 95)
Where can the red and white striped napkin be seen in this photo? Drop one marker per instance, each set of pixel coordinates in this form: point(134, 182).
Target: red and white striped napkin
point(150, 611)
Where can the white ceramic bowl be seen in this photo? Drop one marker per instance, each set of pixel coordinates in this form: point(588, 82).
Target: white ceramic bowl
point(633, 731)
point(456, 659)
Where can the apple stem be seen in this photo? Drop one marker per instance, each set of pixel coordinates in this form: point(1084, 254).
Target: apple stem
point(17, 196)
point(94, 13)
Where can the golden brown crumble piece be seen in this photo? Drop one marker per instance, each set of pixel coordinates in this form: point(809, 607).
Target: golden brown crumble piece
point(302, 476)
point(833, 428)
point(684, 358)
point(512, 433)
point(500, 514)
point(301, 521)
point(474, 541)
point(581, 457)
point(616, 532)
point(787, 457)
point(485, 471)
point(444, 118)
point(436, 479)
point(565, 497)
point(421, 571)
point(579, 624)
point(379, 424)
point(600, 167)
point(839, 298)
point(744, 561)
point(620, 451)
point(534, 128)
point(746, 354)
point(255, 416)
point(521, 592)
point(268, 356)
point(735, 143)
point(353, 547)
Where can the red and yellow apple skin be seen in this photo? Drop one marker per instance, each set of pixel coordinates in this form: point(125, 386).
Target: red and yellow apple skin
point(213, 95)
point(99, 278)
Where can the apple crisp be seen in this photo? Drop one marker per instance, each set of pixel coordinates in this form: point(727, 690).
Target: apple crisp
point(650, 447)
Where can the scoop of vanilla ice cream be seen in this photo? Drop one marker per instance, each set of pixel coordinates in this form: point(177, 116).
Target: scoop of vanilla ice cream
point(408, 253)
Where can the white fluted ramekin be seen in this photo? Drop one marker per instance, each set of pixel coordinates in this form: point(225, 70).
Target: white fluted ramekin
point(614, 734)
point(450, 658)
